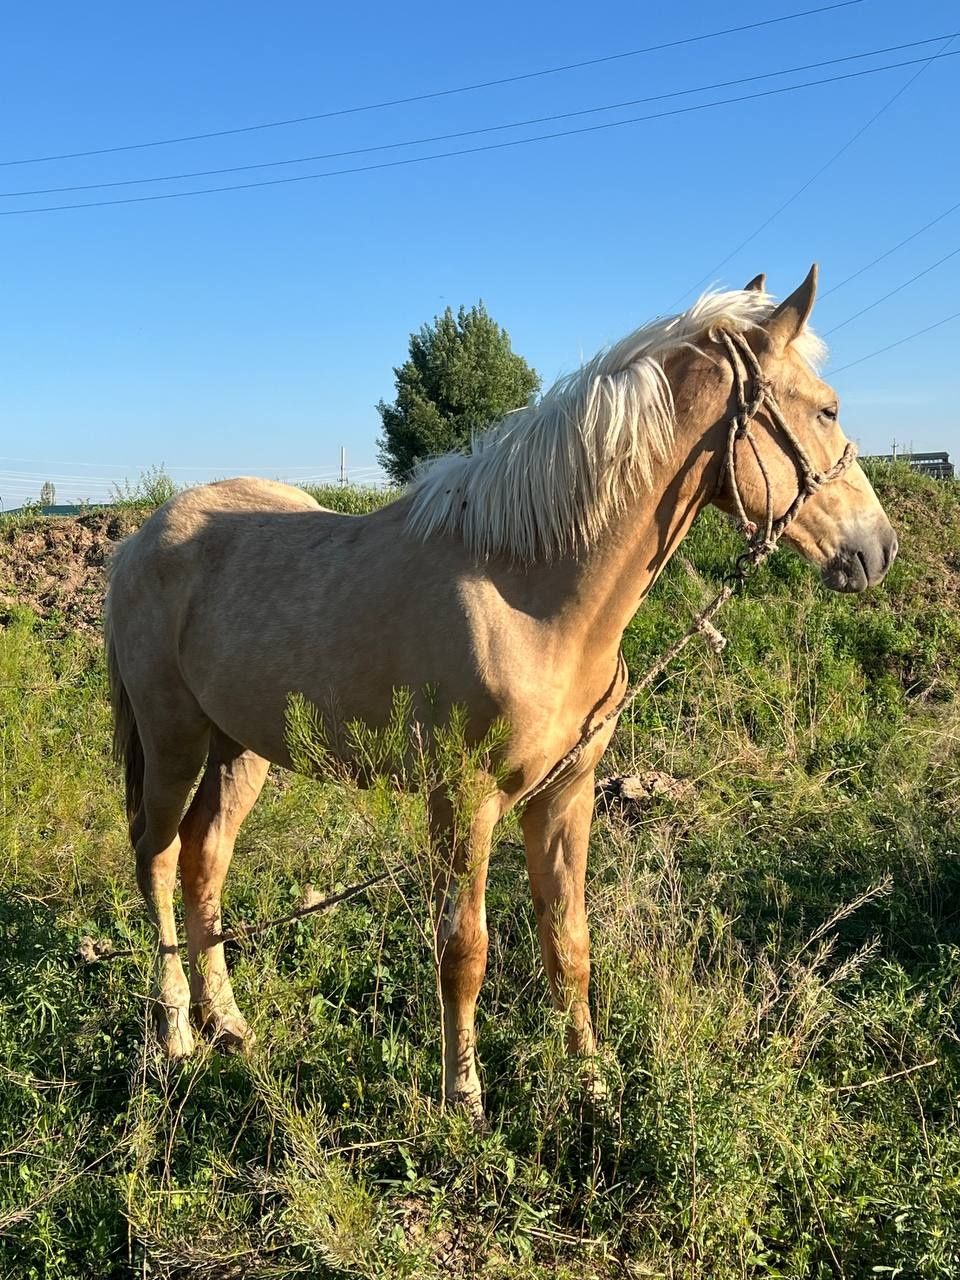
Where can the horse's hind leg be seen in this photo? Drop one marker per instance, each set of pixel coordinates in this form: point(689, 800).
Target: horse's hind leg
point(226, 794)
point(168, 777)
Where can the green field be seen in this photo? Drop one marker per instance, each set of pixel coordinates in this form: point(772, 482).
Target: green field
point(776, 981)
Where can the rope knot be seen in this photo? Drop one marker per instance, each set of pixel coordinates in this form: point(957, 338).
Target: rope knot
point(759, 547)
point(714, 638)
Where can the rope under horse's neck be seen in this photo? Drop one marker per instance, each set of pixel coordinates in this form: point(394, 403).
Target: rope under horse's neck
point(747, 377)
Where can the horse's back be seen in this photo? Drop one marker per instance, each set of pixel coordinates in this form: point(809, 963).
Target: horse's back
point(184, 528)
point(184, 515)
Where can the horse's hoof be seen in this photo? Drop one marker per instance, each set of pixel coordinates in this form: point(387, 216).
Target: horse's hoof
point(228, 1032)
point(232, 1035)
point(174, 1035)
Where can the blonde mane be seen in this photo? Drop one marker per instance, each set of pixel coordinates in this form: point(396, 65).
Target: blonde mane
point(550, 477)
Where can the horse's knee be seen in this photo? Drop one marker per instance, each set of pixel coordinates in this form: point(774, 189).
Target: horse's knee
point(574, 955)
point(463, 955)
point(462, 948)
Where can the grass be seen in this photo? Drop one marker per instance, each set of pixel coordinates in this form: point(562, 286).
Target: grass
point(776, 983)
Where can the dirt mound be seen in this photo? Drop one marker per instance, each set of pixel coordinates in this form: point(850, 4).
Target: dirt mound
point(631, 794)
point(56, 566)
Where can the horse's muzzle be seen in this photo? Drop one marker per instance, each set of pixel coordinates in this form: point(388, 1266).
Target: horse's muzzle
point(861, 563)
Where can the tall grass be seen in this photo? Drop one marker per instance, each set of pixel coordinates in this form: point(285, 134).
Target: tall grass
point(776, 983)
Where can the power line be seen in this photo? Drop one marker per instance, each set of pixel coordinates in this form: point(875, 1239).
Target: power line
point(436, 93)
point(86, 487)
point(468, 133)
point(863, 310)
point(142, 466)
point(25, 486)
point(464, 151)
point(886, 254)
point(29, 479)
point(899, 343)
point(823, 168)
point(97, 484)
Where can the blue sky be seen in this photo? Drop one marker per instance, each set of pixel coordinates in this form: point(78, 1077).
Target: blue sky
point(255, 330)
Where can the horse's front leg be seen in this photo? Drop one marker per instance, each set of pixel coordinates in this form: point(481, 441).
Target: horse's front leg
point(460, 878)
point(556, 832)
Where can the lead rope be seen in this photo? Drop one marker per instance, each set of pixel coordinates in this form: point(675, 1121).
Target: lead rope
point(746, 372)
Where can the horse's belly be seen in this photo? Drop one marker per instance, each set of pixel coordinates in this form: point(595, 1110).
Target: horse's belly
point(346, 669)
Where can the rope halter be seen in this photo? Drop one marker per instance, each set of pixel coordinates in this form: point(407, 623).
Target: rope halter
point(747, 375)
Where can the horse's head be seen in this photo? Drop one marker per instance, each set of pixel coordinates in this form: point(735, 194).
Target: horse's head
point(841, 526)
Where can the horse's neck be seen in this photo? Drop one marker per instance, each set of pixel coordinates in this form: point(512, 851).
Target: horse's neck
point(608, 582)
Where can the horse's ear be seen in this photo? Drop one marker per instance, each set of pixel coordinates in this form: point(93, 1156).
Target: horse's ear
point(788, 320)
point(756, 285)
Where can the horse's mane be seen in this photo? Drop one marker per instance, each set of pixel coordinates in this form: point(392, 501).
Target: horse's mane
point(548, 478)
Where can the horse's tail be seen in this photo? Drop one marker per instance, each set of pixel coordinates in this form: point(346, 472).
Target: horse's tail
point(127, 747)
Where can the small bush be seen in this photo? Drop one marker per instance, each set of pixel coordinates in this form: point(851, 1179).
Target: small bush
point(152, 490)
point(351, 499)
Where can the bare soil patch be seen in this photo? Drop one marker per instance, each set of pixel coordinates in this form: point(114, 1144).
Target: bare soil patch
point(56, 566)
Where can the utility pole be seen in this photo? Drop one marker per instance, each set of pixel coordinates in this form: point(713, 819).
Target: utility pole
point(343, 465)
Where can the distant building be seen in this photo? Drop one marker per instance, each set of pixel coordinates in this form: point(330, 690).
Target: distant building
point(937, 465)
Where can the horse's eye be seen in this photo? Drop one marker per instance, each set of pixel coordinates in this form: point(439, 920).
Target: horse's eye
point(830, 413)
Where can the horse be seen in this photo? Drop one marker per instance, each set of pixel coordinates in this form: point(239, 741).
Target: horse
point(502, 580)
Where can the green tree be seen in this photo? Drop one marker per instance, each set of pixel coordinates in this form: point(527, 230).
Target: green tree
point(461, 376)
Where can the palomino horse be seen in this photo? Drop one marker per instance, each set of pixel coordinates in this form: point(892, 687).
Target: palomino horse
point(503, 579)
